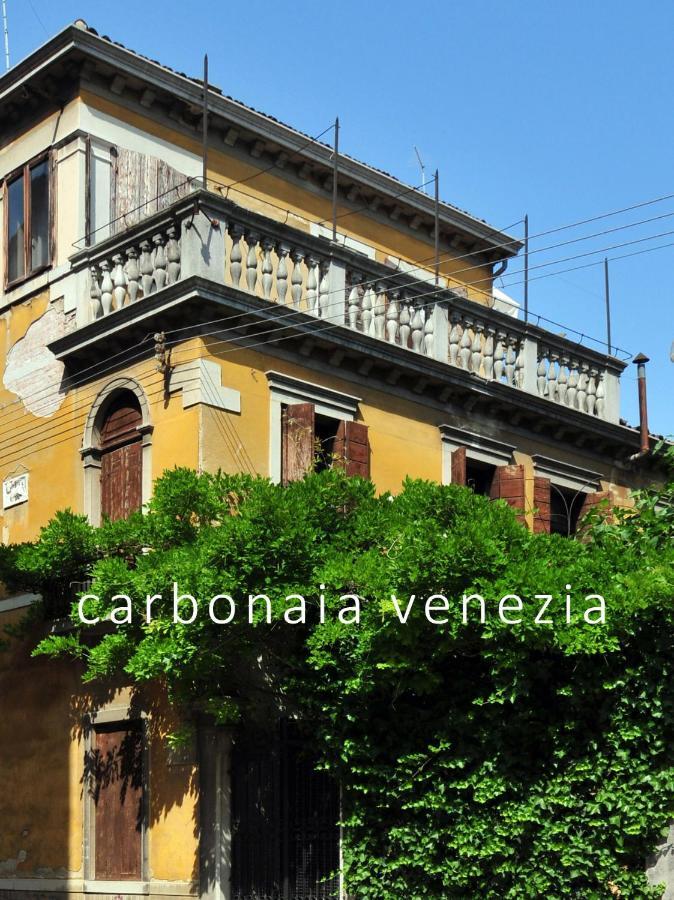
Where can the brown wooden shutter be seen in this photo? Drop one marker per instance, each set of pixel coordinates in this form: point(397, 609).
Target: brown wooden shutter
point(121, 459)
point(352, 448)
point(542, 508)
point(508, 485)
point(118, 798)
point(459, 466)
point(591, 500)
point(297, 443)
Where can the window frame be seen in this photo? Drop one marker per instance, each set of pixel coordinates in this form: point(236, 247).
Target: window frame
point(23, 171)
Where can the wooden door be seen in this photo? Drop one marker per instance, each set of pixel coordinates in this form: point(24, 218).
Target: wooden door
point(118, 799)
point(121, 458)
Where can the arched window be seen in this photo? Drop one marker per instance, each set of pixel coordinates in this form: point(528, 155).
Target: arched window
point(116, 452)
point(121, 446)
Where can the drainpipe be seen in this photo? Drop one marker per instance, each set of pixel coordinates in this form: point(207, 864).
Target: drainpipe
point(640, 361)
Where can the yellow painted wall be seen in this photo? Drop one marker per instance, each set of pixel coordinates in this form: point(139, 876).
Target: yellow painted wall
point(42, 708)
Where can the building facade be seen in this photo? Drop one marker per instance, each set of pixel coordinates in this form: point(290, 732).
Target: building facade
point(150, 318)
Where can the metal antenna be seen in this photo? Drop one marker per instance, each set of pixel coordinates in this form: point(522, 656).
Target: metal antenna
point(204, 127)
point(607, 297)
point(6, 31)
point(423, 169)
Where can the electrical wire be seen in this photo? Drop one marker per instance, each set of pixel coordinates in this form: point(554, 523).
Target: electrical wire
point(298, 313)
point(433, 292)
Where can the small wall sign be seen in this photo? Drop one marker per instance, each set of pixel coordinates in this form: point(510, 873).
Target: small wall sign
point(14, 490)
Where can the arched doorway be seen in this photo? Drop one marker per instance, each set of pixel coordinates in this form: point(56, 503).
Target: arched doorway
point(121, 447)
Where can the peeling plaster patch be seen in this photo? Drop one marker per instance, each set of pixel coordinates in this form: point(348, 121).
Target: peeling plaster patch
point(32, 372)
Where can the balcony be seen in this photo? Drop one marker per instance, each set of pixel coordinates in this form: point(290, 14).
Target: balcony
point(280, 282)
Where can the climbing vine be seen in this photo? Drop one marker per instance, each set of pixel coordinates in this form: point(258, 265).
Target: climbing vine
point(477, 759)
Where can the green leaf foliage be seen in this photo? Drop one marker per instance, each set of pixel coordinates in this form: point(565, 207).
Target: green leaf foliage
point(476, 759)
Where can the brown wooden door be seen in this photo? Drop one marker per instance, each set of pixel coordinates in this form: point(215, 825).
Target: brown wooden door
point(121, 459)
point(118, 798)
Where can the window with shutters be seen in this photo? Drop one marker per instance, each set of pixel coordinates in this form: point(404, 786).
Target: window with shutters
point(28, 234)
point(311, 442)
point(115, 771)
point(121, 457)
point(285, 813)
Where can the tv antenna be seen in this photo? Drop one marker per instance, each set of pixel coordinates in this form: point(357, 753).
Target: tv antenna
point(6, 33)
point(421, 164)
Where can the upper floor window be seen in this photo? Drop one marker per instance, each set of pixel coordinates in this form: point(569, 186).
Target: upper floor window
point(28, 220)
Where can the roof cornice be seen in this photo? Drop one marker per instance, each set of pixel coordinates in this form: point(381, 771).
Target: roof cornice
point(78, 40)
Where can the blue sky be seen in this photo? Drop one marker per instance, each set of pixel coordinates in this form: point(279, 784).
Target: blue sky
point(562, 111)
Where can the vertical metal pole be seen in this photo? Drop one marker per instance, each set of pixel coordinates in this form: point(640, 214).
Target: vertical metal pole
point(6, 31)
point(437, 227)
point(335, 170)
point(204, 149)
point(608, 305)
point(640, 360)
point(526, 268)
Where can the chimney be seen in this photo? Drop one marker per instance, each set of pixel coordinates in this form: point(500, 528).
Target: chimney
point(640, 361)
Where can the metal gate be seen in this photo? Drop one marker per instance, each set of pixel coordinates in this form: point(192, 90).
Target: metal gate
point(285, 836)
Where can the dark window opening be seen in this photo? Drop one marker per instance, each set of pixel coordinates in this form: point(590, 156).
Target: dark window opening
point(325, 432)
point(28, 221)
point(565, 506)
point(479, 476)
point(285, 836)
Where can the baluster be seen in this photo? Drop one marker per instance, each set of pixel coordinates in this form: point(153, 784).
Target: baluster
point(324, 289)
point(392, 315)
point(95, 294)
point(454, 340)
point(476, 348)
point(132, 274)
point(542, 372)
point(354, 301)
point(379, 312)
point(573, 385)
point(312, 285)
point(499, 356)
point(417, 325)
point(519, 365)
point(236, 256)
point(429, 328)
point(405, 319)
point(511, 359)
point(106, 288)
point(146, 268)
point(159, 273)
point(591, 400)
point(552, 377)
point(118, 280)
point(282, 251)
point(488, 356)
point(251, 261)
point(563, 380)
point(601, 394)
point(297, 278)
point(172, 256)
point(267, 268)
point(581, 396)
point(366, 307)
point(465, 345)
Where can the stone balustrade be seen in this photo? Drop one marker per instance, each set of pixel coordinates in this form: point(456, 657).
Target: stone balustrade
point(134, 271)
point(281, 265)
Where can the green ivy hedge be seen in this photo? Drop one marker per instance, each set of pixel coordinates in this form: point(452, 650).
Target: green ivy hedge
point(477, 760)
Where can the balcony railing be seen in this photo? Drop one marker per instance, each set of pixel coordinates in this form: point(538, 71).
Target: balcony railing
point(205, 235)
